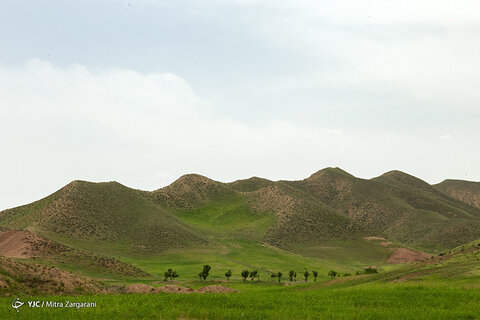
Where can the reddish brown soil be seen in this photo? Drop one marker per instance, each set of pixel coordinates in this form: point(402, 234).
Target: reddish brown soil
point(174, 289)
point(404, 255)
point(16, 244)
point(145, 288)
point(139, 288)
point(35, 278)
point(25, 244)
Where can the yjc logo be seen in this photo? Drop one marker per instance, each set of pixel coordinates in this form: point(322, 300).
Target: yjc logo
point(16, 303)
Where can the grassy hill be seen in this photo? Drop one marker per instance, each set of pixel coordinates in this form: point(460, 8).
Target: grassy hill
point(399, 206)
point(466, 191)
point(102, 217)
point(325, 220)
point(331, 220)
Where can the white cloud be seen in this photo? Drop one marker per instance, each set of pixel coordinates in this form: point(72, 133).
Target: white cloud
point(60, 124)
point(277, 89)
point(145, 130)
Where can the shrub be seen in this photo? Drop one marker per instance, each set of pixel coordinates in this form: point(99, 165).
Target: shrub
point(332, 274)
point(370, 270)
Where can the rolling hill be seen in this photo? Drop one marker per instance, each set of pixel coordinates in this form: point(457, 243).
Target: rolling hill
point(465, 191)
point(397, 205)
point(101, 217)
point(329, 217)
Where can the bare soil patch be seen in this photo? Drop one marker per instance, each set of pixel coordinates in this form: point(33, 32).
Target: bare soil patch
point(404, 255)
point(14, 244)
point(374, 238)
point(40, 279)
point(215, 289)
point(174, 289)
point(139, 288)
point(145, 288)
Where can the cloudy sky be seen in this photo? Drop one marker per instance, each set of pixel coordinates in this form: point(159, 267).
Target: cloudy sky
point(143, 91)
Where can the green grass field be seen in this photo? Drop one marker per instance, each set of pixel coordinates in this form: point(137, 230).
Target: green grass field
point(265, 300)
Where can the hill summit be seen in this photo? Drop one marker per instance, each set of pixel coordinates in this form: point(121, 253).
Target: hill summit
point(330, 205)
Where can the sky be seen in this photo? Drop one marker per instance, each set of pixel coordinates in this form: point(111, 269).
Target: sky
point(144, 91)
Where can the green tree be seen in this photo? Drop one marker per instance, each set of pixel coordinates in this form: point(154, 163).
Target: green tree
point(306, 274)
point(279, 275)
point(170, 274)
point(291, 273)
point(332, 274)
point(253, 274)
point(205, 272)
point(315, 274)
point(245, 274)
point(228, 274)
point(295, 276)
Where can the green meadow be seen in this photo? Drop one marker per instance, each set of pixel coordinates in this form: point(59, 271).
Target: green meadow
point(266, 300)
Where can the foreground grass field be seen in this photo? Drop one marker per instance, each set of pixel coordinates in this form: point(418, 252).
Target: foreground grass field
point(264, 300)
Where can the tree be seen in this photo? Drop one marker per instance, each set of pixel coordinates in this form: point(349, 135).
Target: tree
point(315, 274)
point(205, 272)
point(253, 274)
point(175, 275)
point(306, 274)
point(170, 274)
point(279, 275)
point(228, 274)
point(295, 276)
point(332, 274)
point(291, 273)
point(245, 274)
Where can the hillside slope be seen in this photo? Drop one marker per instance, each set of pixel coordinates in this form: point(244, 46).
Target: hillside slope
point(465, 191)
point(101, 215)
point(397, 205)
point(330, 209)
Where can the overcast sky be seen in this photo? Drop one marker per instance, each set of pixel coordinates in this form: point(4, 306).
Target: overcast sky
point(144, 91)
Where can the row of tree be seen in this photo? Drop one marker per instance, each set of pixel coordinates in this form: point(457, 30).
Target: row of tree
point(292, 275)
